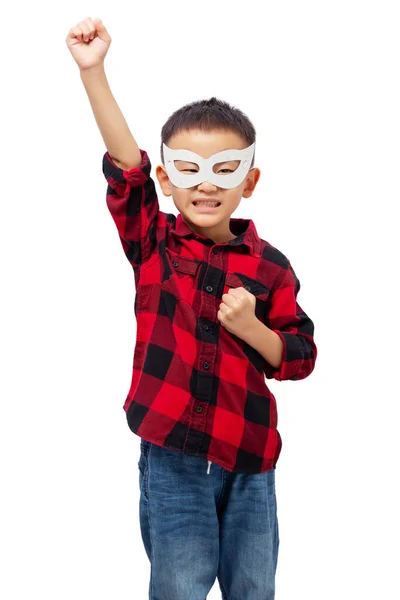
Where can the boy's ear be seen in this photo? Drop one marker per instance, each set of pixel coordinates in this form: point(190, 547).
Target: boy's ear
point(163, 180)
point(251, 181)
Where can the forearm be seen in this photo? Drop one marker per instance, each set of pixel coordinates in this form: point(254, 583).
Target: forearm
point(266, 342)
point(117, 137)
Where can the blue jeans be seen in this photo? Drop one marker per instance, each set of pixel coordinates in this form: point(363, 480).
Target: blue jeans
point(197, 527)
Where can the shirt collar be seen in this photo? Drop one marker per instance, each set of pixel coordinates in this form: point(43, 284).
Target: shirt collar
point(244, 229)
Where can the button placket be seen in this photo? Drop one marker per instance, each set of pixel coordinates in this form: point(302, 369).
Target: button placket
point(208, 350)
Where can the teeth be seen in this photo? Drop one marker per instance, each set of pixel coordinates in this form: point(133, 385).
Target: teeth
point(206, 203)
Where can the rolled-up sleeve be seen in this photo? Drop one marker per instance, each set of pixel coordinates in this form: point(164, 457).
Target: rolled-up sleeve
point(294, 327)
point(133, 204)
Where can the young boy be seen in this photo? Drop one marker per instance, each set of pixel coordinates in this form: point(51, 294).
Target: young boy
point(216, 313)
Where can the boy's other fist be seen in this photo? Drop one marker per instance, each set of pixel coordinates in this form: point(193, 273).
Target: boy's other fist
point(88, 43)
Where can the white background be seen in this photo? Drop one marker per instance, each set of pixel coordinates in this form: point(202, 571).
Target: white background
point(320, 82)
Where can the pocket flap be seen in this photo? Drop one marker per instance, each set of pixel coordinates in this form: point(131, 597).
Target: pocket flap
point(185, 265)
point(233, 280)
point(251, 285)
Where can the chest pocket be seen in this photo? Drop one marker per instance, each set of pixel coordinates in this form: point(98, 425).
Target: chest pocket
point(182, 276)
point(255, 287)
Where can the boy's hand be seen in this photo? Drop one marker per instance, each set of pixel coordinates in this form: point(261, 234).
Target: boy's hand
point(237, 311)
point(88, 43)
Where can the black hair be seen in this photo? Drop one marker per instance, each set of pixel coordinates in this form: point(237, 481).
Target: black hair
point(208, 115)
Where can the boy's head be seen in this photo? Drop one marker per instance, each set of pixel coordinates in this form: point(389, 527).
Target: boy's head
point(207, 127)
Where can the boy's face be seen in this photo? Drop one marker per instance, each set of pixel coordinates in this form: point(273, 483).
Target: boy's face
point(209, 221)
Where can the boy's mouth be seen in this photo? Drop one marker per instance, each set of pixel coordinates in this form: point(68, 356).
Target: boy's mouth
point(206, 203)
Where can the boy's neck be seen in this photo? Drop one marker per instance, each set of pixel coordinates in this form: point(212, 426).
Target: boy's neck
point(219, 234)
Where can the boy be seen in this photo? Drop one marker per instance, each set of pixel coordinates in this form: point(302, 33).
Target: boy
point(216, 313)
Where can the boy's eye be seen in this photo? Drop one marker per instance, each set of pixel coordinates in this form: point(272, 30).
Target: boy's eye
point(194, 171)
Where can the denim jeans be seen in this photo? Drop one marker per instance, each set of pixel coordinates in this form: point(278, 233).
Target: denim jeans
point(197, 527)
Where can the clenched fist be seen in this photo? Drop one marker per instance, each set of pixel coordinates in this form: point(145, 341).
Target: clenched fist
point(237, 311)
point(88, 43)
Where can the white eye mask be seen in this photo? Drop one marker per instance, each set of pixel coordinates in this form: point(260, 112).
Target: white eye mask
point(205, 166)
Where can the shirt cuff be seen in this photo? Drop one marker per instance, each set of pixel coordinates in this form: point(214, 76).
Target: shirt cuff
point(134, 177)
point(292, 358)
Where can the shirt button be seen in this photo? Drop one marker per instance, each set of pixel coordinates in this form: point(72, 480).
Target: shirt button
point(215, 250)
point(248, 288)
point(209, 288)
point(199, 409)
point(175, 264)
point(206, 327)
point(206, 365)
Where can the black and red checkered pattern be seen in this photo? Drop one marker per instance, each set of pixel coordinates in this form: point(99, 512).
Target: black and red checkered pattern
point(196, 388)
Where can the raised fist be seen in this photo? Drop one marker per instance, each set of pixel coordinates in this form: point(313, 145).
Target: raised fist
point(88, 43)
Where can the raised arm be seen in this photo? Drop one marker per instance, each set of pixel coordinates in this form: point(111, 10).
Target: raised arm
point(119, 141)
point(131, 194)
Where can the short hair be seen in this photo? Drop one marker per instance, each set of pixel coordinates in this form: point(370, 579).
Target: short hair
point(208, 115)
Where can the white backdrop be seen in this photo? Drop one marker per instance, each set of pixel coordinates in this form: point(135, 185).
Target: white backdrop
point(320, 83)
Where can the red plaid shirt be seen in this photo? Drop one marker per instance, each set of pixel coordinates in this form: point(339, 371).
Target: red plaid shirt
point(196, 388)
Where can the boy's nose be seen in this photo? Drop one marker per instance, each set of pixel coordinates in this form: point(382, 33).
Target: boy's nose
point(207, 186)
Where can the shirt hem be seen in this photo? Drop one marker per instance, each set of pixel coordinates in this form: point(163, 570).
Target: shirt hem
point(209, 457)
